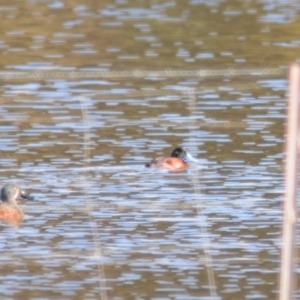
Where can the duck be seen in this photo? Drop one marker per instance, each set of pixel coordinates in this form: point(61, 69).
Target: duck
point(179, 160)
point(9, 208)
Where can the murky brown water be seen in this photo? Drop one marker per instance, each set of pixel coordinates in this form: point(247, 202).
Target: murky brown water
point(105, 227)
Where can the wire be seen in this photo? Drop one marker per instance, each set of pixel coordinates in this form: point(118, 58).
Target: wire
point(167, 73)
point(196, 183)
point(88, 206)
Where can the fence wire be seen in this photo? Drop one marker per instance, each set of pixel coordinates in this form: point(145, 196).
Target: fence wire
point(168, 73)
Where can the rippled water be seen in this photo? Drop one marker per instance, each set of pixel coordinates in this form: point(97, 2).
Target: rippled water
point(105, 227)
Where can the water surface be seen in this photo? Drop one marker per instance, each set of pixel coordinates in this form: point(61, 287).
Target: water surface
point(105, 227)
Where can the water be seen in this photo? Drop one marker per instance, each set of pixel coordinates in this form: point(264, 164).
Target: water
point(105, 227)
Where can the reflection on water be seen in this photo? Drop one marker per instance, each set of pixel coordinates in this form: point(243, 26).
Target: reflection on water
point(103, 225)
point(144, 226)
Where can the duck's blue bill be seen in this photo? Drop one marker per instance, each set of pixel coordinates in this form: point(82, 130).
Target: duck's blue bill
point(190, 159)
point(26, 196)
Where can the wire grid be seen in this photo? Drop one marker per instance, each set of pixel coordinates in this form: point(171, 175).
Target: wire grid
point(189, 93)
point(167, 73)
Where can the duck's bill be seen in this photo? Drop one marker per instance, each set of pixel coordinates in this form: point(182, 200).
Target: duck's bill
point(190, 159)
point(23, 195)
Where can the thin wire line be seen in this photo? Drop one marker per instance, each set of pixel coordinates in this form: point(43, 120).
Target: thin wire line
point(196, 184)
point(202, 73)
point(88, 206)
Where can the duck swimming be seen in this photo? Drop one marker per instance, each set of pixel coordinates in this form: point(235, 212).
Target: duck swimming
point(9, 208)
point(178, 160)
